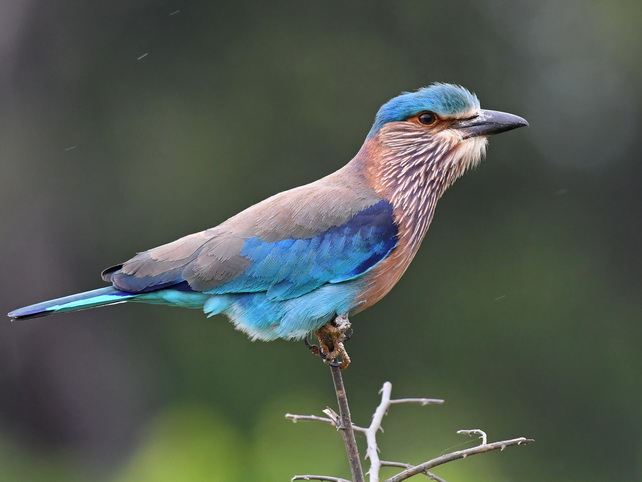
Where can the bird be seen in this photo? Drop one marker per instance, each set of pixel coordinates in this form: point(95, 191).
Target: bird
point(305, 260)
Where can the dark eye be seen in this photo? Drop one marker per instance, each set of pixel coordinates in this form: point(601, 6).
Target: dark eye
point(427, 118)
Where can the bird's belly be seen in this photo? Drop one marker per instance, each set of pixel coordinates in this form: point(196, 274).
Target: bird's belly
point(265, 319)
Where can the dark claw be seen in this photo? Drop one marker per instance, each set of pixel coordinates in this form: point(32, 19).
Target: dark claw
point(314, 349)
point(348, 335)
point(335, 364)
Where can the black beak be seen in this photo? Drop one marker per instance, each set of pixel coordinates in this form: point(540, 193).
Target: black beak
point(489, 122)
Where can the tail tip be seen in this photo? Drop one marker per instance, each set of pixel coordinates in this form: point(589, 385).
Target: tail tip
point(22, 314)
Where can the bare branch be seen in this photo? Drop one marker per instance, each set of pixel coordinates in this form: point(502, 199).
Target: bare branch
point(343, 423)
point(312, 418)
point(318, 477)
point(389, 463)
point(460, 454)
point(372, 452)
point(345, 427)
point(338, 421)
point(421, 401)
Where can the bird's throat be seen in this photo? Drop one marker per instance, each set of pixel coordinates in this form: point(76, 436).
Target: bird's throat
point(413, 170)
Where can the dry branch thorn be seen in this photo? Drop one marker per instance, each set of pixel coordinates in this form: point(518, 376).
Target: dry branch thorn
point(472, 431)
point(334, 417)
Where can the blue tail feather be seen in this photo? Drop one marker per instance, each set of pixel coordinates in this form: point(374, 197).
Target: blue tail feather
point(80, 301)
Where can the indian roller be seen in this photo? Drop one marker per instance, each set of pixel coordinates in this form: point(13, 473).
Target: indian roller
point(304, 260)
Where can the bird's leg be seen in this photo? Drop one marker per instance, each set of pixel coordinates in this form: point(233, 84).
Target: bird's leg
point(331, 337)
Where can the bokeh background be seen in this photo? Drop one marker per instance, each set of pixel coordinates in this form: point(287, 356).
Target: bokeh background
point(126, 124)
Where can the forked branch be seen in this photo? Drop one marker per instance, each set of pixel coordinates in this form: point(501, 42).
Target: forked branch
point(460, 454)
point(343, 423)
point(372, 451)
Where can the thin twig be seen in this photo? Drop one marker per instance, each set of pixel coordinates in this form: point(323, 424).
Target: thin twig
point(318, 477)
point(421, 401)
point(315, 418)
point(434, 477)
point(460, 454)
point(390, 463)
point(312, 418)
point(473, 431)
point(345, 427)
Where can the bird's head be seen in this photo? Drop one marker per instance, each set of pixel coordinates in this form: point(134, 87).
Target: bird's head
point(442, 125)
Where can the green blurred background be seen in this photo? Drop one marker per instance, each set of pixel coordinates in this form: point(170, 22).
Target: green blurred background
point(126, 124)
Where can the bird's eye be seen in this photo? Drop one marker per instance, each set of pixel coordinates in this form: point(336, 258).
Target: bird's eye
point(427, 118)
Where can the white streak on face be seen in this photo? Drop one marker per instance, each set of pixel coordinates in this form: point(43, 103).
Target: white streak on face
point(466, 154)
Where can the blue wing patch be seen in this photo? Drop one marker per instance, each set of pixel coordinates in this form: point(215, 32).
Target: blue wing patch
point(292, 267)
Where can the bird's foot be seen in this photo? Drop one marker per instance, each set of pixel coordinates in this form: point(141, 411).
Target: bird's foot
point(331, 337)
